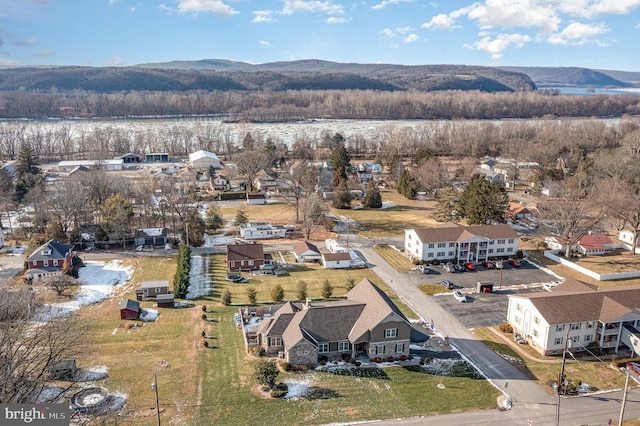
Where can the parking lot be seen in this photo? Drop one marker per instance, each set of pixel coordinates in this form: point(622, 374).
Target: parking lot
point(484, 309)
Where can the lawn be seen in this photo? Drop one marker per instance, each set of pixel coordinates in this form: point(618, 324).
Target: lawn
point(199, 385)
point(394, 258)
point(544, 369)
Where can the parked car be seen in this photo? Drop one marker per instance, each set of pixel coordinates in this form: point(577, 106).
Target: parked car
point(459, 296)
point(470, 266)
point(447, 284)
point(233, 277)
point(449, 267)
point(423, 269)
point(488, 264)
point(458, 267)
point(514, 262)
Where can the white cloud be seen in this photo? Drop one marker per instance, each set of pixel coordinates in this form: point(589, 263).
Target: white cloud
point(264, 44)
point(497, 46)
point(411, 38)
point(404, 30)
point(114, 61)
point(26, 42)
point(578, 33)
point(386, 3)
point(336, 20)
point(292, 7)
point(388, 32)
point(217, 7)
point(440, 22)
point(511, 14)
point(590, 9)
point(263, 16)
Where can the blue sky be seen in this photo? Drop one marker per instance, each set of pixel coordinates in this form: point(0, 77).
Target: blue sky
point(600, 34)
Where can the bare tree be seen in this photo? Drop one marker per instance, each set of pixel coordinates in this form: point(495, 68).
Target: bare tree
point(249, 163)
point(622, 201)
point(59, 283)
point(297, 184)
point(431, 176)
point(312, 214)
point(33, 338)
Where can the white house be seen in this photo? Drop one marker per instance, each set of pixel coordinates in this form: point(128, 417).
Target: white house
point(306, 252)
point(110, 165)
point(466, 243)
point(262, 230)
point(626, 236)
point(589, 244)
point(204, 159)
point(584, 313)
point(339, 260)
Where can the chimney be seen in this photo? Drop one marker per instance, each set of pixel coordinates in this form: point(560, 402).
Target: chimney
point(307, 303)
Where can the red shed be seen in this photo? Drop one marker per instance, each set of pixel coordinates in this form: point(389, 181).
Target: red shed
point(129, 309)
point(165, 300)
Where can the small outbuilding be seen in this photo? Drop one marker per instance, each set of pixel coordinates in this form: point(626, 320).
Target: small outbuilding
point(256, 198)
point(154, 288)
point(340, 260)
point(165, 300)
point(64, 369)
point(129, 309)
point(307, 252)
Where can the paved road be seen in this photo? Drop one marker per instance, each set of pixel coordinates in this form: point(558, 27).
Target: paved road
point(529, 401)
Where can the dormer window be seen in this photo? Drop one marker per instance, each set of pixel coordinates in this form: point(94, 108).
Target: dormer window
point(46, 252)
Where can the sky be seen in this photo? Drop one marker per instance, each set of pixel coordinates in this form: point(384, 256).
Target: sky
point(600, 34)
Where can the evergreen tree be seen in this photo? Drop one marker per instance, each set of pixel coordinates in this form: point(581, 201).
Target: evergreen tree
point(301, 290)
point(252, 295)
point(342, 197)
point(225, 299)
point(195, 226)
point(340, 159)
point(327, 289)
point(266, 372)
point(28, 174)
point(214, 218)
point(407, 185)
point(372, 198)
point(277, 293)
point(241, 217)
point(482, 202)
point(337, 141)
point(183, 271)
point(446, 205)
point(420, 155)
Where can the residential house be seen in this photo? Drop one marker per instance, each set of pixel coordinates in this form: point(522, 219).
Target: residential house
point(450, 241)
point(363, 174)
point(587, 315)
point(339, 260)
point(130, 158)
point(626, 236)
point(366, 324)
point(49, 259)
point(219, 183)
point(151, 236)
point(588, 245)
point(152, 289)
point(129, 309)
point(247, 257)
point(265, 182)
point(203, 160)
point(256, 198)
point(517, 211)
point(306, 252)
point(262, 230)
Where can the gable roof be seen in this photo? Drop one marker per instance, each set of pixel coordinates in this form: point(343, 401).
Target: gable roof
point(130, 305)
point(202, 154)
point(237, 252)
point(58, 251)
point(595, 241)
point(332, 257)
point(586, 303)
point(155, 284)
point(454, 232)
point(305, 246)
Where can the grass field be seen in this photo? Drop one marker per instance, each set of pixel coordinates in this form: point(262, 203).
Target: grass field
point(199, 385)
point(399, 262)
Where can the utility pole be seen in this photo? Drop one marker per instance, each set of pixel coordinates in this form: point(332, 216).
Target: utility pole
point(154, 386)
point(560, 382)
point(624, 395)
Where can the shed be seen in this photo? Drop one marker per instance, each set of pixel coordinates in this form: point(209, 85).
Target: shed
point(165, 300)
point(157, 157)
point(338, 260)
point(255, 198)
point(204, 159)
point(129, 309)
point(485, 286)
point(130, 157)
point(64, 369)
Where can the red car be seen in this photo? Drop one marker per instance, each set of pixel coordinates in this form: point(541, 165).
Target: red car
point(488, 264)
point(514, 262)
point(470, 266)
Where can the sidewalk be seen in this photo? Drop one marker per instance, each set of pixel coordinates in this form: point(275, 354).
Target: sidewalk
point(519, 350)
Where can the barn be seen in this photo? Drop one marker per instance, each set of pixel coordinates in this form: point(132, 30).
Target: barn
point(129, 309)
point(165, 300)
point(204, 159)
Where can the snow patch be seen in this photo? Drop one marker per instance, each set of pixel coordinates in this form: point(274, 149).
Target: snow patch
point(199, 279)
point(298, 388)
point(148, 315)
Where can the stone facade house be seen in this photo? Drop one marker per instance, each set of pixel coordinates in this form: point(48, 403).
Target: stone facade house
point(366, 324)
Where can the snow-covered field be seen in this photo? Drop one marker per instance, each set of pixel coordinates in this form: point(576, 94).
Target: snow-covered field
point(199, 279)
point(99, 281)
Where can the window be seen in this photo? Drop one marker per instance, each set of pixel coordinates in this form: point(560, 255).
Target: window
point(46, 263)
point(390, 332)
point(399, 347)
point(275, 341)
point(323, 348)
point(575, 326)
point(442, 245)
point(429, 254)
point(452, 253)
point(517, 319)
point(379, 349)
point(490, 251)
point(559, 340)
point(559, 327)
point(575, 338)
point(250, 262)
point(441, 254)
point(588, 337)
point(343, 346)
point(518, 307)
point(500, 250)
point(536, 320)
point(511, 240)
point(590, 324)
point(452, 244)
point(501, 241)
point(431, 245)
point(233, 264)
point(535, 333)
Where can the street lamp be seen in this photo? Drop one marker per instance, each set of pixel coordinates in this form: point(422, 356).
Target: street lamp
point(154, 386)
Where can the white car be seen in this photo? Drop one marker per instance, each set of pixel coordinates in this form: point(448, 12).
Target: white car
point(459, 296)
